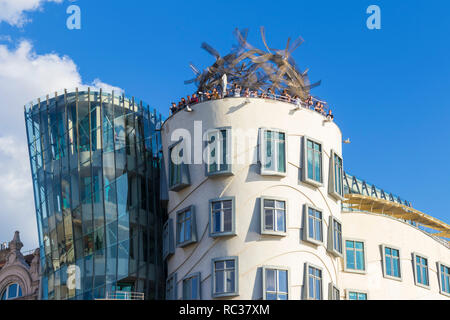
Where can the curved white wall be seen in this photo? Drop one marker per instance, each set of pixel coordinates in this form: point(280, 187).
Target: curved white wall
point(377, 230)
point(247, 186)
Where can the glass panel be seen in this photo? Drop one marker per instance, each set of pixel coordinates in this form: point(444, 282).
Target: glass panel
point(270, 280)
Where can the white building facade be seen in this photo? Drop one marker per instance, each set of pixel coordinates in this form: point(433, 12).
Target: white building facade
point(264, 220)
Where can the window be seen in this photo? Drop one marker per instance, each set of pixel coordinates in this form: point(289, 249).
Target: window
point(275, 283)
point(355, 295)
point(444, 279)
point(225, 277)
point(312, 164)
point(191, 287)
point(13, 291)
point(336, 181)
point(273, 216)
point(272, 150)
point(335, 237)
point(421, 276)
point(334, 292)
point(222, 217)
point(313, 282)
point(355, 260)
point(186, 227)
point(219, 149)
point(178, 169)
point(168, 246)
point(313, 225)
point(391, 259)
point(171, 287)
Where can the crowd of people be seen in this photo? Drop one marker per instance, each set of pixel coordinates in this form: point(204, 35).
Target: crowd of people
point(237, 91)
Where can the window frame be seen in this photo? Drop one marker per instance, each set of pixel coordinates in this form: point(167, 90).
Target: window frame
point(229, 156)
point(170, 244)
point(236, 277)
point(331, 293)
point(263, 216)
point(262, 149)
point(383, 251)
point(441, 291)
point(199, 289)
point(277, 268)
point(305, 172)
point(417, 283)
point(331, 242)
point(348, 291)
point(193, 219)
point(331, 178)
point(5, 291)
point(184, 170)
point(172, 277)
point(306, 281)
point(344, 243)
point(306, 230)
point(233, 232)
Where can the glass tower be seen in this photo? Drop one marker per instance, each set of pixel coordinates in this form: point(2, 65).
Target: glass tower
point(95, 168)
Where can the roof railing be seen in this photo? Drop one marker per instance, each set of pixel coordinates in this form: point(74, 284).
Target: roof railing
point(124, 295)
point(297, 102)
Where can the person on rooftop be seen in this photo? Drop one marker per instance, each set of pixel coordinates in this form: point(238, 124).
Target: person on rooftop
point(215, 94)
point(194, 98)
point(174, 108)
point(286, 96)
point(310, 102)
point(236, 90)
point(297, 101)
point(330, 115)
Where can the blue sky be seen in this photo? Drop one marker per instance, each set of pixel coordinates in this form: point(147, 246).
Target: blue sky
point(388, 88)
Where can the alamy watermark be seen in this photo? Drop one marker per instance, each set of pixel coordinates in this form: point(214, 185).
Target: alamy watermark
point(73, 22)
point(374, 20)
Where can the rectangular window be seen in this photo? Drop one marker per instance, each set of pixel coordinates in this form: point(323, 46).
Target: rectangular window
point(335, 237)
point(191, 287)
point(313, 283)
point(219, 151)
point(336, 180)
point(334, 292)
point(186, 227)
point(171, 287)
point(313, 225)
point(168, 245)
point(421, 270)
point(355, 260)
point(275, 284)
point(272, 152)
point(222, 217)
point(273, 216)
point(178, 169)
point(444, 279)
point(354, 295)
point(391, 258)
point(225, 277)
point(312, 162)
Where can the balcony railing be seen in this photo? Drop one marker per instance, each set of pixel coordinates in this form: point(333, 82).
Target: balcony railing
point(123, 295)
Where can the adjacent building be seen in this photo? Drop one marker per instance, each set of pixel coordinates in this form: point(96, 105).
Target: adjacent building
point(95, 169)
point(19, 274)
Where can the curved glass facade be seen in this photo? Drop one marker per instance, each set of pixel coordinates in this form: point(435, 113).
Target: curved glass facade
point(95, 168)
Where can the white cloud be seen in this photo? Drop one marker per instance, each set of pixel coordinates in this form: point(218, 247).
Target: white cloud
point(14, 11)
point(25, 76)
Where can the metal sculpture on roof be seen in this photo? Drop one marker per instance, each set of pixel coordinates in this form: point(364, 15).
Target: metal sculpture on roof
point(250, 67)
